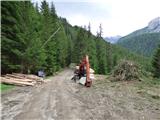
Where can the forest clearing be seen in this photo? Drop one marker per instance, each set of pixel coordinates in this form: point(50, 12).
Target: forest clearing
point(43, 53)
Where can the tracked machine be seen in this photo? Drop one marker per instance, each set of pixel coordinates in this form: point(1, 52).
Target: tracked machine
point(82, 72)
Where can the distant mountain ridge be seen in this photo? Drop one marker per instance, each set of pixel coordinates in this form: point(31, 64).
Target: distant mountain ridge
point(153, 27)
point(143, 41)
point(113, 39)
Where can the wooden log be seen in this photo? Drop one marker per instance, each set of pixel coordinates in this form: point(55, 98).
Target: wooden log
point(14, 76)
point(14, 82)
point(34, 77)
point(18, 74)
point(30, 76)
point(17, 79)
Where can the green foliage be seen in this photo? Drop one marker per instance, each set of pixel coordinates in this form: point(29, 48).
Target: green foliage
point(156, 63)
point(122, 53)
point(20, 49)
point(101, 55)
point(143, 44)
point(27, 45)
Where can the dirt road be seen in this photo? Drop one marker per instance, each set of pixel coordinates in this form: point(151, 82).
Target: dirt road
point(62, 99)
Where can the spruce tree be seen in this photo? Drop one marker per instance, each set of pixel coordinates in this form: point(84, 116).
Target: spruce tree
point(31, 54)
point(23, 52)
point(9, 29)
point(49, 27)
point(114, 60)
point(80, 48)
point(109, 58)
point(101, 56)
point(156, 63)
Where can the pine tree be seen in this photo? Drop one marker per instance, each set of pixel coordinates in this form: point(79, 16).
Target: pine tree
point(57, 47)
point(101, 56)
point(80, 45)
point(49, 27)
point(100, 30)
point(9, 30)
point(61, 47)
point(89, 28)
point(26, 53)
point(68, 33)
point(32, 56)
point(109, 58)
point(114, 60)
point(156, 63)
point(92, 52)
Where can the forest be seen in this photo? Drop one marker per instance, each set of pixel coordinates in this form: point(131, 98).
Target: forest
point(40, 54)
point(143, 44)
point(29, 43)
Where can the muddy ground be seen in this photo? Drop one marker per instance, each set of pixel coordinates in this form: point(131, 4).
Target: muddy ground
point(63, 99)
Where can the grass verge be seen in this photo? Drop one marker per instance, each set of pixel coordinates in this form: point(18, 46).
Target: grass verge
point(5, 87)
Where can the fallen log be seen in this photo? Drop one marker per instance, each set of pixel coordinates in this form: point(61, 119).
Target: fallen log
point(34, 77)
point(18, 74)
point(18, 79)
point(14, 76)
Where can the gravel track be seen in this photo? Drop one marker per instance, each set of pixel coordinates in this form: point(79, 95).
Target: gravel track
point(62, 99)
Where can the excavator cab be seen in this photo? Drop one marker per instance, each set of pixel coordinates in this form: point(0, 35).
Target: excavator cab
point(82, 72)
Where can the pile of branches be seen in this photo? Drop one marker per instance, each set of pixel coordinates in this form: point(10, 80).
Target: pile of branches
point(125, 71)
point(21, 79)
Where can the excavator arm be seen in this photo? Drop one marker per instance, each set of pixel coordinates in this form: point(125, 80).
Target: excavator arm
point(84, 69)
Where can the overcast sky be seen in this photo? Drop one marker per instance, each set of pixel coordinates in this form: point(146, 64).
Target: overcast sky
point(118, 17)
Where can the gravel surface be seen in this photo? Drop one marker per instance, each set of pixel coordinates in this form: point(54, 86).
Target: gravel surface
point(60, 98)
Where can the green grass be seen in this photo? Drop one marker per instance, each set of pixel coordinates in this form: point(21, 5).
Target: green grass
point(5, 87)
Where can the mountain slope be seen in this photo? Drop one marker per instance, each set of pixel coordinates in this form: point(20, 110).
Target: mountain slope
point(99, 49)
point(144, 44)
point(143, 41)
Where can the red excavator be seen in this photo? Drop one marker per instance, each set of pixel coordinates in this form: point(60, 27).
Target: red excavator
point(84, 72)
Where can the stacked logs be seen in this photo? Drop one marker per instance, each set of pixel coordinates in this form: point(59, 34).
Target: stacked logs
point(21, 79)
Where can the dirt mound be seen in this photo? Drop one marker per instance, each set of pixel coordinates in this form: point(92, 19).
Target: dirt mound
point(125, 71)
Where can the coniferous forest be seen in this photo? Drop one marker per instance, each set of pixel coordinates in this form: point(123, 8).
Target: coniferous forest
point(41, 51)
point(36, 38)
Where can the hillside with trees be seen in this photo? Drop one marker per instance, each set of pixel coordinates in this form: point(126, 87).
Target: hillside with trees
point(144, 44)
point(52, 70)
point(143, 41)
point(156, 63)
point(34, 39)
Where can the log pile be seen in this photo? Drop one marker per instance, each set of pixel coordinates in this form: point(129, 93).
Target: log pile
point(21, 79)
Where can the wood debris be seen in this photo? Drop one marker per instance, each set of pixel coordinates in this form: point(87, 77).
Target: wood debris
point(21, 79)
point(125, 71)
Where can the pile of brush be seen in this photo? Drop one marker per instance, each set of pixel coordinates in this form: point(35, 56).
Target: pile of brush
point(125, 71)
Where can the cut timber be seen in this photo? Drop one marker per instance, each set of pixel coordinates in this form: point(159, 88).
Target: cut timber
point(14, 76)
point(21, 79)
point(34, 77)
point(17, 79)
point(14, 82)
